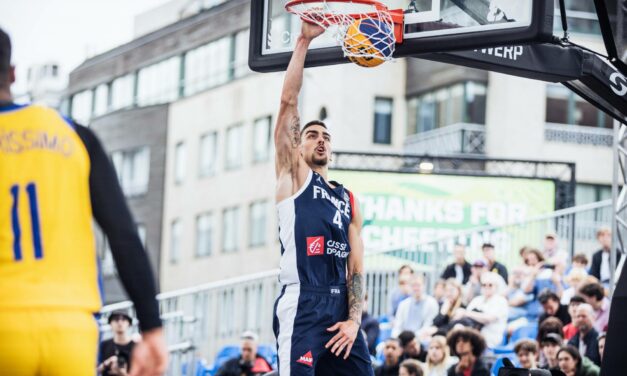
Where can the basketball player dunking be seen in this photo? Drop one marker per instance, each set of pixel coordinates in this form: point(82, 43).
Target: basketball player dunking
point(318, 314)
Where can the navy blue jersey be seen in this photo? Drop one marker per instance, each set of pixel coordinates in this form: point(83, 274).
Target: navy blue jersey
point(313, 231)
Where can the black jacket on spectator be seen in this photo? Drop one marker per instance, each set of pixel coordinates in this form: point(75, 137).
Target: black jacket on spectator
point(384, 370)
point(479, 369)
point(595, 267)
point(500, 269)
point(449, 272)
point(370, 326)
point(562, 314)
point(233, 367)
point(108, 348)
point(592, 345)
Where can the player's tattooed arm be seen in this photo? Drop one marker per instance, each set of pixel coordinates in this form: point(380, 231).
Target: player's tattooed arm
point(355, 296)
point(295, 131)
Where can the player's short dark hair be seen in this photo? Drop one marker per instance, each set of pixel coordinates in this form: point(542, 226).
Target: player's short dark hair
point(592, 290)
point(526, 345)
point(5, 55)
point(405, 337)
point(476, 340)
point(312, 123)
point(547, 295)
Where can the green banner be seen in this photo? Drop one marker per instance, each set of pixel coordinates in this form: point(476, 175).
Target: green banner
point(404, 209)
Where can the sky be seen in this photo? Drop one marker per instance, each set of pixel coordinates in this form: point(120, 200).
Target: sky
point(66, 31)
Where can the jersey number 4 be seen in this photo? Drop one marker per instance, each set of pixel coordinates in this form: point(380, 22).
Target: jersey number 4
point(31, 191)
point(337, 219)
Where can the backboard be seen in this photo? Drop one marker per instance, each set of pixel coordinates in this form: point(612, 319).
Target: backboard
point(429, 26)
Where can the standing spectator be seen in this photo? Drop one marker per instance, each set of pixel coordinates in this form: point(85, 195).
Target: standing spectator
point(601, 341)
point(460, 268)
point(572, 364)
point(452, 302)
point(115, 353)
point(392, 353)
point(248, 363)
point(552, 307)
point(554, 256)
point(600, 267)
point(570, 330)
point(402, 291)
point(467, 345)
point(594, 294)
point(549, 346)
point(416, 312)
point(411, 347)
point(494, 266)
point(586, 338)
point(370, 326)
point(488, 310)
point(438, 357)
point(526, 351)
point(410, 367)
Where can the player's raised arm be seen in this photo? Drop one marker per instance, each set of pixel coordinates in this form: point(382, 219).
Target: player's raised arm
point(287, 130)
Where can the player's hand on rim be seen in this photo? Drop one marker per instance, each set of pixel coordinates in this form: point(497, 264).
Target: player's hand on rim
point(344, 339)
point(310, 31)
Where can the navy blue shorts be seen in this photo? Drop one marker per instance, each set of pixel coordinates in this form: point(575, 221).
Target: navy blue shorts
point(302, 315)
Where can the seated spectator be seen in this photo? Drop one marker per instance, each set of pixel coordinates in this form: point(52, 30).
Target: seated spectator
point(412, 349)
point(248, 363)
point(493, 266)
point(392, 353)
point(438, 357)
point(370, 326)
point(580, 261)
point(439, 290)
point(517, 299)
point(402, 291)
point(472, 288)
point(586, 338)
point(487, 311)
point(553, 254)
point(570, 330)
point(574, 279)
point(541, 276)
point(417, 312)
point(526, 351)
point(550, 325)
point(552, 307)
point(115, 353)
point(460, 268)
point(443, 322)
point(601, 341)
point(572, 364)
point(549, 346)
point(467, 345)
point(600, 267)
point(410, 367)
point(594, 294)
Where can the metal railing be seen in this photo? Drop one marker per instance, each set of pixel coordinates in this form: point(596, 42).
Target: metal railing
point(200, 320)
point(576, 134)
point(459, 138)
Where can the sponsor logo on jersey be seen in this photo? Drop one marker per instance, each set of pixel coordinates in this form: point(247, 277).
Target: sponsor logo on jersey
point(306, 359)
point(315, 245)
point(337, 249)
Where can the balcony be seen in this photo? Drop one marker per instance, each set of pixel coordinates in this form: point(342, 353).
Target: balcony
point(576, 134)
point(458, 138)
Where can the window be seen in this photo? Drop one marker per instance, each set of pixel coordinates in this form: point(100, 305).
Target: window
point(240, 54)
point(582, 17)
point(208, 154)
point(133, 169)
point(180, 165)
point(101, 100)
point(123, 92)
point(207, 66)
point(176, 235)
point(565, 107)
point(204, 234)
point(261, 139)
point(257, 226)
point(234, 150)
point(230, 225)
point(82, 106)
point(159, 83)
point(459, 103)
point(383, 121)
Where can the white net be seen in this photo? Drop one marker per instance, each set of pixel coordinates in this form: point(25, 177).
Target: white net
point(364, 29)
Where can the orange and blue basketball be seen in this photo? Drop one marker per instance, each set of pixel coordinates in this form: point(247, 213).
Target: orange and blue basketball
point(371, 38)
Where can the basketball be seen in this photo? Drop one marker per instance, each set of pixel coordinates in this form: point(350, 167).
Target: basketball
point(371, 38)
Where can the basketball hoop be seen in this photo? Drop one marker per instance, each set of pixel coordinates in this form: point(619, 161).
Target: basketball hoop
point(386, 26)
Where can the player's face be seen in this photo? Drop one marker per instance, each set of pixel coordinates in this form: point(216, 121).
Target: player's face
point(315, 146)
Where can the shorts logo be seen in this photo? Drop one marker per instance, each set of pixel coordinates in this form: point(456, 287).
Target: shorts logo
point(315, 246)
point(306, 359)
